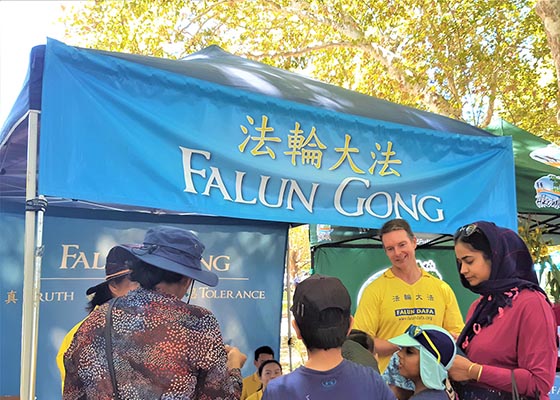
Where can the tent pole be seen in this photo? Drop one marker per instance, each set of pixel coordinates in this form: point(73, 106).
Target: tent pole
point(31, 267)
point(289, 299)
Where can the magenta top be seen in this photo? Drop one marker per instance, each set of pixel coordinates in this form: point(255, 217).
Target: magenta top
point(522, 338)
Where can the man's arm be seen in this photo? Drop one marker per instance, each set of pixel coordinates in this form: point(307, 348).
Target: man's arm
point(384, 348)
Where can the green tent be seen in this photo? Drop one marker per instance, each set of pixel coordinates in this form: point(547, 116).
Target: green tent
point(537, 176)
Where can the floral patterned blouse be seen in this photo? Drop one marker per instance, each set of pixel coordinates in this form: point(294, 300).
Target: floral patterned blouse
point(163, 348)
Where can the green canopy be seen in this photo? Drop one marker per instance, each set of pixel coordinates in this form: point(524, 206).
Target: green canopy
point(537, 176)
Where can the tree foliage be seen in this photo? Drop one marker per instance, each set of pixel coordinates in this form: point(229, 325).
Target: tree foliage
point(468, 60)
point(299, 254)
point(540, 249)
point(549, 12)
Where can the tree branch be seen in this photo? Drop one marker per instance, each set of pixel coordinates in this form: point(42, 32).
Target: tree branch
point(434, 101)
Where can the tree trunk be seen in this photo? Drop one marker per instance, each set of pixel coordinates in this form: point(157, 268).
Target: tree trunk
point(549, 12)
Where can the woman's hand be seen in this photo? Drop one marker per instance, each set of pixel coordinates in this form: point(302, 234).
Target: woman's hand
point(464, 369)
point(236, 359)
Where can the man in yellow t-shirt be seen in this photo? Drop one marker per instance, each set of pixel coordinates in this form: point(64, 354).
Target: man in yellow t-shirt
point(404, 294)
point(252, 383)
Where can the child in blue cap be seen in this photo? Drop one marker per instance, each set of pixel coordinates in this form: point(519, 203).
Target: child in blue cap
point(426, 354)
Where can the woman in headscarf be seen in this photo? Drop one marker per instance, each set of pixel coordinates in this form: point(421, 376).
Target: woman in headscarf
point(510, 334)
point(150, 344)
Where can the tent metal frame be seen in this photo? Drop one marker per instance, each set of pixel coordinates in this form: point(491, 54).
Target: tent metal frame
point(33, 239)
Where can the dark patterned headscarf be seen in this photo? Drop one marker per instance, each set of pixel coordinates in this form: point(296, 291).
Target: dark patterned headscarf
point(512, 271)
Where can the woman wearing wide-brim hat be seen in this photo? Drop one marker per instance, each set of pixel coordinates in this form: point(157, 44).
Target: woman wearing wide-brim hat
point(150, 344)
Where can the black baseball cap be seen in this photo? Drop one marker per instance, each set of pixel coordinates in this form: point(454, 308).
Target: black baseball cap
point(316, 294)
point(117, 264)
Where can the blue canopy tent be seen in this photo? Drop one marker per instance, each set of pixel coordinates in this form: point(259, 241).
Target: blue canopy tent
point(219, 135)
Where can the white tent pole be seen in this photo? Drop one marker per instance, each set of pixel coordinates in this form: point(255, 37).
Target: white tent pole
point(31, 268)
point(289, 300)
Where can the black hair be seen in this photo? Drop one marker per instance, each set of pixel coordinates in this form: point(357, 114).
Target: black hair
point(397, 224)
point(148, 275)
point(329, 333)
point(103, 294)
point(477, 240)
point(362, 338)
point(261, 368)
point(263, 350)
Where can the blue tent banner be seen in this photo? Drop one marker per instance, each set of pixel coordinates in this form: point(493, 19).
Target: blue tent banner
point(116, 131)
point(249, 260)
point(213, 135)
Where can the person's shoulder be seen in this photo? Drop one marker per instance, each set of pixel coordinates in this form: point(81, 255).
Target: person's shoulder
point(251, 378)
point(171, 303)
point(282, 387)
point(355, 352)
point(95, 318)
point(194, 309)
point(360, 372)
point(197, 316)
point(359, 368)
point(380, 280)
point(152, 299)
point(367, 378)
point(532, 295)
point(436, 281)
point(431, 276)
point(531, 298)
point(179, 311)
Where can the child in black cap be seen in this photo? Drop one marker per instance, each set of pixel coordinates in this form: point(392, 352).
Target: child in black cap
point(321, 309)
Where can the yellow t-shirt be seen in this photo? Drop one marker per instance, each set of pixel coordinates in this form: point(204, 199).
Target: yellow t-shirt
point(250, 385)
point(256, 396)
point(63, 347)
point(389, 305)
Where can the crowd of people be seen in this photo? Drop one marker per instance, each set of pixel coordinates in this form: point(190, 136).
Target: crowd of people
point(407, 339)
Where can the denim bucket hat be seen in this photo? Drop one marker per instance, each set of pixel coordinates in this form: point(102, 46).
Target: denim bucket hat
point(176, 250)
